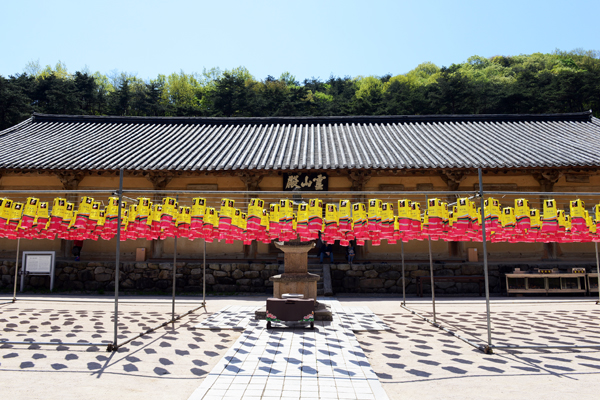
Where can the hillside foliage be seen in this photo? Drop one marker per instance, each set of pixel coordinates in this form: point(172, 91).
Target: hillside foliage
point(537, 83)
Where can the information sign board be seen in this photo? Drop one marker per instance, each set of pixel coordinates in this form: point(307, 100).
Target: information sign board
point(38, 263)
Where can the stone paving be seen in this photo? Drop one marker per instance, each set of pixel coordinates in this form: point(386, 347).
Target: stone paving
point(293, 362)
point(411, 360)
point(170, 361)
point(231, 317)
point(415, 360)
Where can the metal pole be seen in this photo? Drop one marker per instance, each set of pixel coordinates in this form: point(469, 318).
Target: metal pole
point(30, 342)
point(403, 279)
point(278, 193)
point(117, 258)
point(174, 272)
point(597, 271)
point(147, 331)
point(204, 275)
point(543, 346)
point(432, 284)
point(310, 193)
point(174, 280)
point(17, 269)
point(431, 272)
point(485, 349)
point(485, 260)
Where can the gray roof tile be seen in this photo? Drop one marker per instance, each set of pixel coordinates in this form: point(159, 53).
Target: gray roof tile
point(306, 143)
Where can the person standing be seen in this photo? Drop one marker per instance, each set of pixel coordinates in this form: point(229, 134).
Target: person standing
point(77, 245)
point(326, 251)
point(350, 253)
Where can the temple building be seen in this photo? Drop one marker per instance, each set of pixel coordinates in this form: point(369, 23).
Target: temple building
point(420, 154)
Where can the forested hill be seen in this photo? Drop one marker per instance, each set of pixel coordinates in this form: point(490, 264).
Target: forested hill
point(537, 83)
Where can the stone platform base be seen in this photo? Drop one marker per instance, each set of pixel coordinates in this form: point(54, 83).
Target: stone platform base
point(322, 312)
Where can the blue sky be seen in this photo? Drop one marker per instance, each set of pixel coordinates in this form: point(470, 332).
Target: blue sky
point(306, 38)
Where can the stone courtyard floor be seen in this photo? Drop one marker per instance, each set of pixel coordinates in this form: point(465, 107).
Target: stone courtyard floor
point(372, 349)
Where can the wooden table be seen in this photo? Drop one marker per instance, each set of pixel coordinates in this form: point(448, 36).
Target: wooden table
point(546, 283)
point(480, 279)
point(592, 282)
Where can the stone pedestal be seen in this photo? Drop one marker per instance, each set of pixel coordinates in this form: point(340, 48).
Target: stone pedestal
point(295, 278)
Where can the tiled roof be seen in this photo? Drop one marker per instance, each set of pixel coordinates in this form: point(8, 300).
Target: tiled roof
point(65, 142)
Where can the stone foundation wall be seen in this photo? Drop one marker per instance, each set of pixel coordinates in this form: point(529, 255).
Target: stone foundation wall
point(254, 278)
point(136, 276)
point(387, 278)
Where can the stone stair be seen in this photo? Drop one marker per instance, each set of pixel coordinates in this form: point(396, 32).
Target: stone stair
point(318, 270)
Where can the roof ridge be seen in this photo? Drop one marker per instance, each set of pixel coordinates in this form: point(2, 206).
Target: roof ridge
point(17, 126)
point(584, 116)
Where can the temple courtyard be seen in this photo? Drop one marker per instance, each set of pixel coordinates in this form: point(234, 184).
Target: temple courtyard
point(373, 349)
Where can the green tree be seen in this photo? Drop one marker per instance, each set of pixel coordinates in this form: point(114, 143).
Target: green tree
point(232, 96)
point(342, 91)
point(400, 97)
point(121, 98)
point(181, 94)
point(15, 104)
point(53, 94)
point(87, 93)
point(289, 79)
point(451, 93)
point(369, 96)
point(563, 81)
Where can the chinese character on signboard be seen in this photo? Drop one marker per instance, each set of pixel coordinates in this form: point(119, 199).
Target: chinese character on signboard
point(306, 182)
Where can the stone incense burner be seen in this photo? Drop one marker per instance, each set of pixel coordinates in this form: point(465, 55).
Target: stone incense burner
point(295, 278)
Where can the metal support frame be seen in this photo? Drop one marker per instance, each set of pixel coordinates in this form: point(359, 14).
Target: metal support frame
point(16, 271)
point(174, 280)
point(204, 275)
point(114, 345)
point(148, 331)
point(403, 276)
point(432, 280)
point(485, 260)
point(173, 316)
point(174, 276)
point(14, 299)
point(488, 349)
point(88, 344)
point(431, 272)
point(263, 193)
point(543, 346)
point(485, 349)
point(597, 271)
point(31, 342)
point(312, 193)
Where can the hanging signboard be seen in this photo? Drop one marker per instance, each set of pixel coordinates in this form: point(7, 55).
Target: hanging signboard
point(305, 182)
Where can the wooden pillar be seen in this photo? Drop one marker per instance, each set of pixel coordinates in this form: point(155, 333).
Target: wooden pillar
point(252, 182)
point(70, 181)
point(359, 180)
point(159, 181)
point(547, 179)
point(453, 180)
